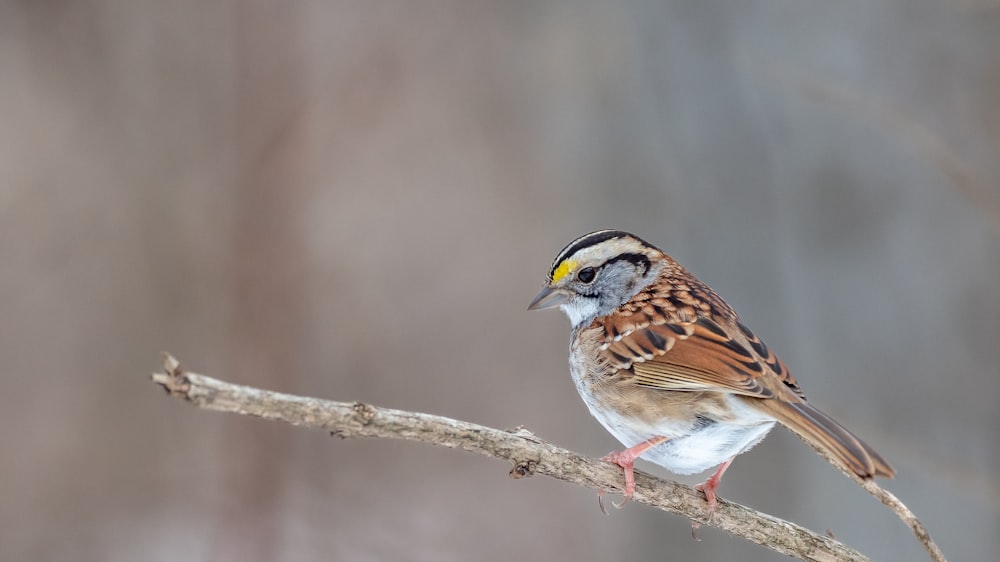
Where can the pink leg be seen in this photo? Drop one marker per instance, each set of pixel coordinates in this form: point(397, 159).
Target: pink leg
point(708, 487)
point(626, 460)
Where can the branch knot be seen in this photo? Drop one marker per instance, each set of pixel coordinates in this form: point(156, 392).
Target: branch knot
point(365, 413)
point(523, 468)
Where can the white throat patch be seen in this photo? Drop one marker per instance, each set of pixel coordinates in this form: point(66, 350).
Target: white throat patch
point(580, 309)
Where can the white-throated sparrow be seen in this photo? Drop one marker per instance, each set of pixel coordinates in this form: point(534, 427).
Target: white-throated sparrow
point(667, 367)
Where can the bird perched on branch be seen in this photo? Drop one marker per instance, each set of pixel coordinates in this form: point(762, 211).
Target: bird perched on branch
point(668, 368)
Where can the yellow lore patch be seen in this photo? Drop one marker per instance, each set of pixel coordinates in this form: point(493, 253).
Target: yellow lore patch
point(564, 269)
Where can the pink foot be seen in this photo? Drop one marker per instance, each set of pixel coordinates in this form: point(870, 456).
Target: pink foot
point(709, 487)
point(626, 460)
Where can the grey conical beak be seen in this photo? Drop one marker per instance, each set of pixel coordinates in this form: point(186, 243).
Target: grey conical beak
point(549, 297)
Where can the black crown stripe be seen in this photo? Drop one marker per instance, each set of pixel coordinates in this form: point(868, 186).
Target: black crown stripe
point(589, 240)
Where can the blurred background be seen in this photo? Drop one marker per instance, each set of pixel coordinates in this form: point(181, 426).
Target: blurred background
point(357, 200)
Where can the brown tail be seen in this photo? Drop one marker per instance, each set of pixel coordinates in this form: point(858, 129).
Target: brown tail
point(822, 431)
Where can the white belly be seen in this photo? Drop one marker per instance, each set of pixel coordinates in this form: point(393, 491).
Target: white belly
point(689, 449)
point(691, 452)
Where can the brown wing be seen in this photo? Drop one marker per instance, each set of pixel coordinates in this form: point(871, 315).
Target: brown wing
point(770, 360)
point(698, 355)
point(691, 356)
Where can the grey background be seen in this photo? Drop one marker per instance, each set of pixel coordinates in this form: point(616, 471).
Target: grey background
point(356, 200)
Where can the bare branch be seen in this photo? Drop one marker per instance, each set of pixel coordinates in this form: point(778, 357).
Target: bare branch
point(893, 503)
point(527, 454)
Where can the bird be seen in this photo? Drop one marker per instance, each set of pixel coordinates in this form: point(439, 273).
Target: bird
point(671, 371)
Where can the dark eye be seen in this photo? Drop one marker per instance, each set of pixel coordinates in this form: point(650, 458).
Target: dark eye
point(586, 275)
